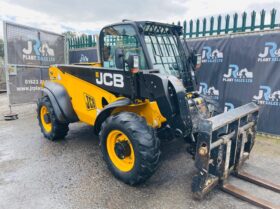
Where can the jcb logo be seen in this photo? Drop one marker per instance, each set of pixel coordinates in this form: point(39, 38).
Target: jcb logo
point(109, 79)
point(90, 103)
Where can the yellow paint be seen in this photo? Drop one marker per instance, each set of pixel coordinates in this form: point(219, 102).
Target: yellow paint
point(77, 88)
point(47, 126)
point(126, 164)
point(199, 100)
point(94, 64)
point(149, 110)
point(189, 95)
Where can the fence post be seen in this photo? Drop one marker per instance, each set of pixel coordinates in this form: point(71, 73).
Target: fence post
point(272, 18)
point(184, 29)
point(211, 25)
point(235, 20)
point(253, 20)
point(197, 28)
point(244, 17)
point(227, 24)
point(204, 26)
point(262, 19)
point(83, 41)
point(219, 24)
point(191, 28)
point(80, 42)
point(90, 41)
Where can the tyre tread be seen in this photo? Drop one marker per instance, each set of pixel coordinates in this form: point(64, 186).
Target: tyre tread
point(148, 143)
point(59, 130)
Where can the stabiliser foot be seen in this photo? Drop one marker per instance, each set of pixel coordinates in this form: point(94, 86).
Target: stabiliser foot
point(10, 115)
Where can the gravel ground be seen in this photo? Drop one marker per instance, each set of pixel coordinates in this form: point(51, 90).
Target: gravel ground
point(37, 173)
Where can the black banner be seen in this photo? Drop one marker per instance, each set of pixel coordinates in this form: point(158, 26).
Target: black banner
point(240, 69)
point(30, 46)
point(83, 55)
point(25, 83)
point(30, 52)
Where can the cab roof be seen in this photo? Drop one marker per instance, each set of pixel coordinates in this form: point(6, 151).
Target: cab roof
point(152, 27)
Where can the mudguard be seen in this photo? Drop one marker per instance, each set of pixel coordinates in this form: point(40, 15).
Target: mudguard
point(106, 111)
point(61, 102)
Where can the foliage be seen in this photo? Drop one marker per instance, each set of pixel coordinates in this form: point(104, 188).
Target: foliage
point(70, 34)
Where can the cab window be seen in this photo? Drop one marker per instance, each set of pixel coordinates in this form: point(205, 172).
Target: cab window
point(123, 37)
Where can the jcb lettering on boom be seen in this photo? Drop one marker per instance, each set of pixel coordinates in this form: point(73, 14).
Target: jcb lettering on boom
point(110, 79)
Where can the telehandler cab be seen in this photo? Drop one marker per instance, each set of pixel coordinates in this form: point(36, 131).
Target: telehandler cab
point(144, 89)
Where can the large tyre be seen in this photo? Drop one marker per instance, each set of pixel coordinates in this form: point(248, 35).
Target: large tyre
point(129, 147)
point(51, 128)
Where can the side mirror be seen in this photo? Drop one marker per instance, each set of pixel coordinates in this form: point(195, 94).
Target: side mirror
point(119, 58)
point(133, 63)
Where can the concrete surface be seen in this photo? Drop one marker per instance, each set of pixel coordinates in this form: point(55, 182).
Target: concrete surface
point(37, 173)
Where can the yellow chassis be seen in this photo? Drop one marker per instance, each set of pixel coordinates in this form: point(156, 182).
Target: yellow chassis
point(88, 100)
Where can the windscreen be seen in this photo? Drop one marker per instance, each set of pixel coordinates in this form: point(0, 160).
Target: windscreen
point(163, 49)
point(122, 37)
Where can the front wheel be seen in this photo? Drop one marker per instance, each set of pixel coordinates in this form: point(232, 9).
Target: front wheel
point(51, 128)
point(130, 147)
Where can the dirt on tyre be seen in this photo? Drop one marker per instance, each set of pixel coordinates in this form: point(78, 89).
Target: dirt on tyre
point(51, 128)
point(130, 147)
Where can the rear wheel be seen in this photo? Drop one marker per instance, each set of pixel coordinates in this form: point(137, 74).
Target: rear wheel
point(130, 147)
point(51, 128)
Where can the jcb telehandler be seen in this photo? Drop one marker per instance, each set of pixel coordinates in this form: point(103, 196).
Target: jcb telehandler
point(144, 89)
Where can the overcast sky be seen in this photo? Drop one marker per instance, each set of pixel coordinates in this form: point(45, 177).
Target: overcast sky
point(88, 16)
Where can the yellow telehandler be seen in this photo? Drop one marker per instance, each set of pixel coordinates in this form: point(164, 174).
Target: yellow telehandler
point(144, 89)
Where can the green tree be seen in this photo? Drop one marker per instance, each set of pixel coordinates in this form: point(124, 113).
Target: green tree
point(69, 34)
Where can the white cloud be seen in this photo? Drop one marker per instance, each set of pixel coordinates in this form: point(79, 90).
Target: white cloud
point(214, 7)
point(91, 15)
point(21, 15)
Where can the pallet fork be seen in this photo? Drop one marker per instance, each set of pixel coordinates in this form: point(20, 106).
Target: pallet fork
point(224, 143)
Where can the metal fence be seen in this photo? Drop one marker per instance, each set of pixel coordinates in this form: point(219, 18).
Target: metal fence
point(256, 21)
point(229, 24)
point(2, 75)
point(28, 54)
point(84, 41)
point(2, 70)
